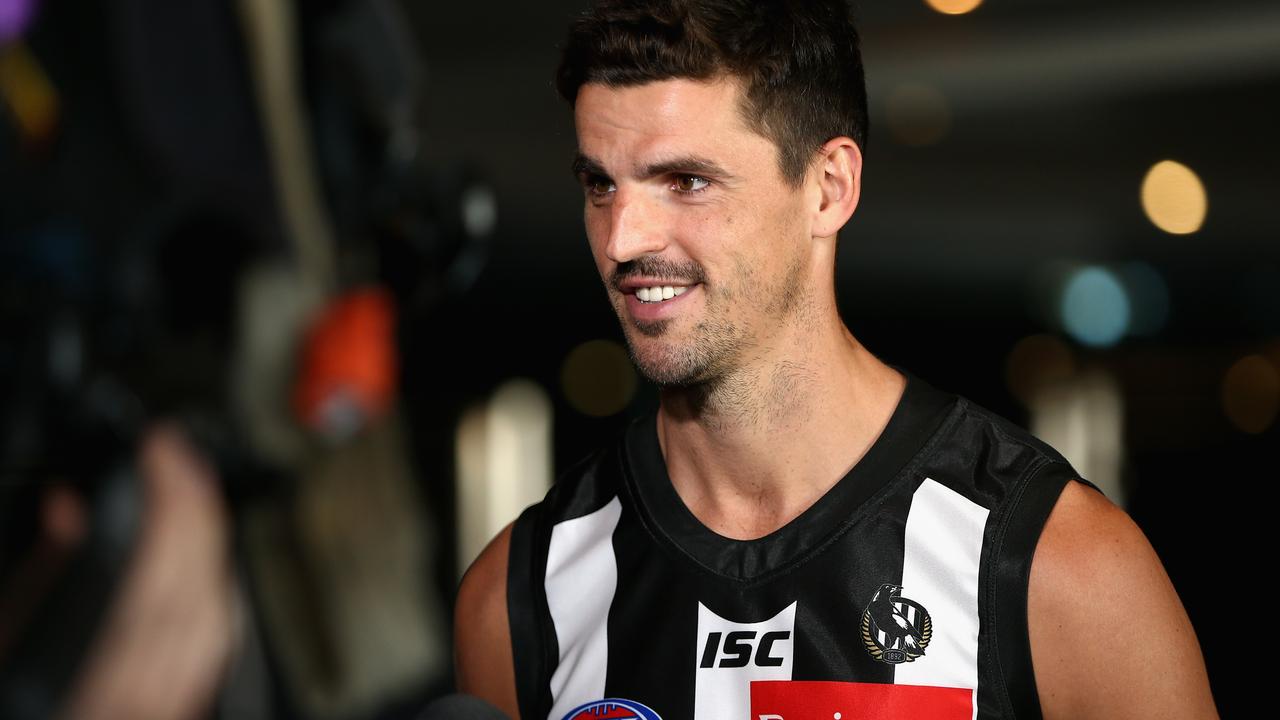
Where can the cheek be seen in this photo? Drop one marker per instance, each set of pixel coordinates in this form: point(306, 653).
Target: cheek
point(597, 236)
point(787, 235)
point(766, 250)
point(706, 232)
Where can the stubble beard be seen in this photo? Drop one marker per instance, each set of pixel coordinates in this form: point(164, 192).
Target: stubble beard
point(695, 362)
point(716, 345)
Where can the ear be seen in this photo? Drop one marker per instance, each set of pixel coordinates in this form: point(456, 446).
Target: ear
point(837, 172)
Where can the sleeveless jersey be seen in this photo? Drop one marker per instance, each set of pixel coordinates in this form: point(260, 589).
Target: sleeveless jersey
point(900, 593)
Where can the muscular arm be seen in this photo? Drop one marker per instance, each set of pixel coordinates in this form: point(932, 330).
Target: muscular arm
point(482, 635)
point(1109, 637)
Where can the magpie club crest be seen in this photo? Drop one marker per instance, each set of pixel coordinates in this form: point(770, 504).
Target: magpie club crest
point(895, 629)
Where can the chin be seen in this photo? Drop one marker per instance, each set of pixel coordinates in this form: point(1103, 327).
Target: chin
point(666, 365)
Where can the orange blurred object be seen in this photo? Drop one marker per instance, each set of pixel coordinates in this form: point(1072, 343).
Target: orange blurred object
point(349, 366)
point(28, 93)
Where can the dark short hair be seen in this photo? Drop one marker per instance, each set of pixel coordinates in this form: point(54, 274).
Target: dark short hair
point(798, 61)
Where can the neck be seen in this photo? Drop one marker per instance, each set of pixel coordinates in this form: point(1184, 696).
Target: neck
point(751, 450)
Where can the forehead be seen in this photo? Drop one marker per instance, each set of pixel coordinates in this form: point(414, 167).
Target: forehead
point(629, 127)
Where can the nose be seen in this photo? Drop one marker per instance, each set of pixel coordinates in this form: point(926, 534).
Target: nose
point(635, 228)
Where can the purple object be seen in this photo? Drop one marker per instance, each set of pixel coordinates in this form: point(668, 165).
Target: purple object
point(15, 15)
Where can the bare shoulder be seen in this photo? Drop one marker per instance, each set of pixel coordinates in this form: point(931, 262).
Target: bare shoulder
point(1109, 636)
point(482, 634)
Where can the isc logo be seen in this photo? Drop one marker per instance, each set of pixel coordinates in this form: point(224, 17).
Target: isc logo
point(739, 648)
point(731, 655)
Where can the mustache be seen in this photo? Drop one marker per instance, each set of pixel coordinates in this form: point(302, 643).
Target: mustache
point(686, 272)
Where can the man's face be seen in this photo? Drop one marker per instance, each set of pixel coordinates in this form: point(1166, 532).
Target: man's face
point(704, 249)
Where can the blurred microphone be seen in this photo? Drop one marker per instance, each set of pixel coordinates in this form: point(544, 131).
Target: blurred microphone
point(462, 707)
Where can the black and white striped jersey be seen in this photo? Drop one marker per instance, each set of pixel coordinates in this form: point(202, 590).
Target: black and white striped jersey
point(901, 593)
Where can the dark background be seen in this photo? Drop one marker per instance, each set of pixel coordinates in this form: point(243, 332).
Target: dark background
point(1056, 109)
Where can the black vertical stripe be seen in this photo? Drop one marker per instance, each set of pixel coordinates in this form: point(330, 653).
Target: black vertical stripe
point(533, 641)
point(653, 625)
point(1012, 692)
point(829, 644)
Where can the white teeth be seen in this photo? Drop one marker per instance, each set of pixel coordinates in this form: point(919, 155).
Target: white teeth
point(659, 293)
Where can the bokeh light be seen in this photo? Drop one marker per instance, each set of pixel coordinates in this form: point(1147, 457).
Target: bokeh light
point(27, 93)
point(598, 378)
point(1174, 198)
point(503, 458)
point(479, 211)
point(1095, 309)
point(954, 7)
point(14, 17)
point(918, 115)
point(1251, 394)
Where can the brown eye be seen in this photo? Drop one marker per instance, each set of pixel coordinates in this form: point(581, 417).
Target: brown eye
point(599, 186)
point(690, 184)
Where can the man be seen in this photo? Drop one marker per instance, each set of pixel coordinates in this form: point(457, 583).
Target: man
point(801, 531)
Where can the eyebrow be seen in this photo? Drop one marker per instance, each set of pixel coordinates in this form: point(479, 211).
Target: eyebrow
point(583, 165)
point(689, 164)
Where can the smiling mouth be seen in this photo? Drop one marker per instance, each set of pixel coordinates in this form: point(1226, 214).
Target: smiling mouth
point(660, 293)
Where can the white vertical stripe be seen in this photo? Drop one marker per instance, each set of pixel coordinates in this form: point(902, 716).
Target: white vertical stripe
point(582, 576)
point(724, 693)
point(940, 571)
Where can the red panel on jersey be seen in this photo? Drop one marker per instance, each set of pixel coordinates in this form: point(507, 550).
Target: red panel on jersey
point(798, 700)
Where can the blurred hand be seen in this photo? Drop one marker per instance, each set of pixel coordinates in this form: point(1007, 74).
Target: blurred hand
point(166, 639)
